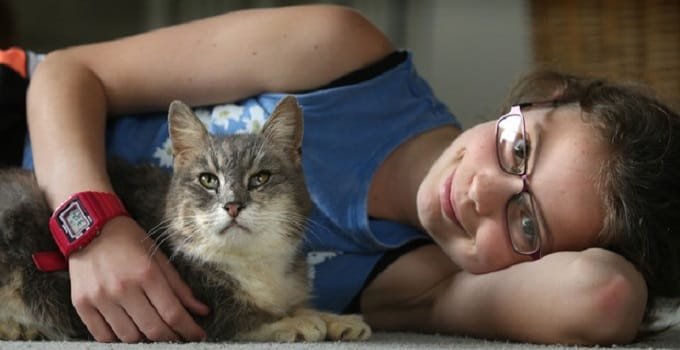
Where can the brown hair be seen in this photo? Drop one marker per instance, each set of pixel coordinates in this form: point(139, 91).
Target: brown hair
point(640, 182)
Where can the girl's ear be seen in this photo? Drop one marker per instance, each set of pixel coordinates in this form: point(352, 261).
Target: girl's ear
point(285, 126)
point(187, 133)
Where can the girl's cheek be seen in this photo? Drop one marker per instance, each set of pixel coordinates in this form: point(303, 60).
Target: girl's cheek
point(493, 249)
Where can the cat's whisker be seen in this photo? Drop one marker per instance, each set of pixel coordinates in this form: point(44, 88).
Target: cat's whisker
point(158, 234)
point(158, 243)
point(160, 226)
point(312, 228)
point(292, 222)
point(163, 234)
point(208, 218)
point(293, 216)
point(174, 254)
point(191, 230)
point(180, 246)
point(298, 221)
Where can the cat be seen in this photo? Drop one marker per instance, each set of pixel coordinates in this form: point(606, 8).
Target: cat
point(231, 217)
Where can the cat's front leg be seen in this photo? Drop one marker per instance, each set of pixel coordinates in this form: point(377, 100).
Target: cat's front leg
point(12, 330)
point(298, 327)
point(341, 327)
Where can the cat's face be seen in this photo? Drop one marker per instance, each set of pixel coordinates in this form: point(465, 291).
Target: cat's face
point(238, 193)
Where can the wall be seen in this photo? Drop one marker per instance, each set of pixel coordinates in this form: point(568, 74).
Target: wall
point(477, 49)
point(470, 51)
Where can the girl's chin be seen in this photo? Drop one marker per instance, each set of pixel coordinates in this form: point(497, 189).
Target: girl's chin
point(428, 211)
point(459, 249)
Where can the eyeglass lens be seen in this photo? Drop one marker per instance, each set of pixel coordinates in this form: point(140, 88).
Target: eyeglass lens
point(512, 145)
point(513, 153)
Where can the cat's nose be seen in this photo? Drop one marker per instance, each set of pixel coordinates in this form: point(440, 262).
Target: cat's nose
point(233, 208)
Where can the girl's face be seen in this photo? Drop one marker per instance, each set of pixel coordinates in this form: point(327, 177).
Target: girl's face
point(462, 201)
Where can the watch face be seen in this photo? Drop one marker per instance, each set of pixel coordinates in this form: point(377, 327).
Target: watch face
point(74, 220)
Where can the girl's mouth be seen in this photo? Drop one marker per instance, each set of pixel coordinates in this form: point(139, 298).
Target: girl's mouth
point(447, 200)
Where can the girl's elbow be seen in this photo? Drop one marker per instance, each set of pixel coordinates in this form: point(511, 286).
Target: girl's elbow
point(615, 301)
point(619, 307)
point(352, 37)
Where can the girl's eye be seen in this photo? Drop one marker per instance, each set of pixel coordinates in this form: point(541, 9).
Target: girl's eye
point(521, 149)
point(258, 179)
point(209, 181)
point(529, 229)
point(520, 154)
point(523, 226)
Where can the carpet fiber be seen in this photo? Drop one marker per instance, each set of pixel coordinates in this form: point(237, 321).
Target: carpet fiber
point(381, 340)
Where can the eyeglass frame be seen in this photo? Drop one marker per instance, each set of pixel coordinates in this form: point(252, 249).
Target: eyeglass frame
point(516, 109)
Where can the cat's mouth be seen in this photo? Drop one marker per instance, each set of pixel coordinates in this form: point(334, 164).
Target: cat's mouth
point(233, 226)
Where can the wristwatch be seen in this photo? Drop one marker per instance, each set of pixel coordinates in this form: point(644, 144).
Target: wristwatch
point(81, 217)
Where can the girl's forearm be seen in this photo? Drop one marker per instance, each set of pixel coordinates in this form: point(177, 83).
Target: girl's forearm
point(66, 108)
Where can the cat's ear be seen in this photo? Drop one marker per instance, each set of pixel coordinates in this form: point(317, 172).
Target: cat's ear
point(187, 133)
point(285, 125)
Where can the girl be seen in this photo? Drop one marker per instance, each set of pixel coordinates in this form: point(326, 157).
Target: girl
point(498, 231)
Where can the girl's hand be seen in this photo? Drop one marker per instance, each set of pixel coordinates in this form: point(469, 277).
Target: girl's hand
point(123, 288)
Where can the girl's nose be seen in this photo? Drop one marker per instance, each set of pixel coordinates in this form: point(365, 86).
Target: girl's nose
point(491, 191)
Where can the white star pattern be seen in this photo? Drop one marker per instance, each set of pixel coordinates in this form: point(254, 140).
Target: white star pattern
point(164, 154)
point(221, 115)
point(315, 258)
point(256, 120)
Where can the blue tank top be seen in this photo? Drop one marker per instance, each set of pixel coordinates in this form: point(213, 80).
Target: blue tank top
point(349, 131)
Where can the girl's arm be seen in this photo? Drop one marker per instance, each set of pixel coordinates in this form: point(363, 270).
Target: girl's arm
point(117, 290)
point(589, 297)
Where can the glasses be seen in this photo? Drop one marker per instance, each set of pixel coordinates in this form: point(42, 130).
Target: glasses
point(513, 150)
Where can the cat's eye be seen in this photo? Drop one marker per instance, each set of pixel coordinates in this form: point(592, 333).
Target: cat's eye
point(258, 179)
point(209, 181)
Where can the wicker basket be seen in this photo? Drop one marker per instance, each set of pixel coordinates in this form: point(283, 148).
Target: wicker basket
point(617, 39)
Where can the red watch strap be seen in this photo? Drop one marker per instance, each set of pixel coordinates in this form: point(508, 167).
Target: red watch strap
point(49, 261)
point(109, 208)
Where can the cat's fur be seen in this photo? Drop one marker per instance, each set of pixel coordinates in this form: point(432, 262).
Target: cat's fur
point(250, 271)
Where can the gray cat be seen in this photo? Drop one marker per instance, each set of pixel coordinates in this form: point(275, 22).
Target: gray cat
point(235, 209)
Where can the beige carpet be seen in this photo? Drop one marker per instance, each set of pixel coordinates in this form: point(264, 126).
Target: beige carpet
point(667, 340)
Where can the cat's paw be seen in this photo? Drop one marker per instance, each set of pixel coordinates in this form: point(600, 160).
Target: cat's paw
point(340, 327)
point(297, 328)
point(301, 328)
point(10, 330)
point(346, 327)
